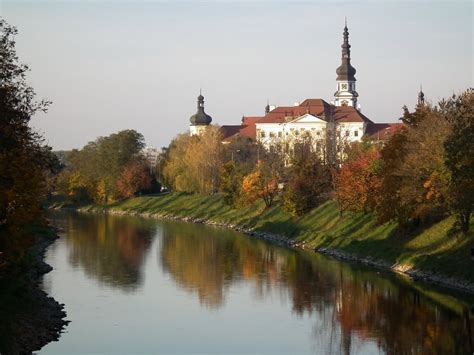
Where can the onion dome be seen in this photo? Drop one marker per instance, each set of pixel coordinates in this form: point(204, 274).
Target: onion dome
point(200, 118)
point(346, 71)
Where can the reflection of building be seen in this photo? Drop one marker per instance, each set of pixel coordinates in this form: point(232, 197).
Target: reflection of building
point(313, 116)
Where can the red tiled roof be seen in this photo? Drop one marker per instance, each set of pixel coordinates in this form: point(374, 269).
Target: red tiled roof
point(247, 128)
point(229, 131)
point(383, 131)
point(280, 114)
point(349, 114)
point(315, 107)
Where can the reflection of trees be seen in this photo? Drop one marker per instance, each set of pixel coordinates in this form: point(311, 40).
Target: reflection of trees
point(109, 248)
point(351, 303)
point(203, 260)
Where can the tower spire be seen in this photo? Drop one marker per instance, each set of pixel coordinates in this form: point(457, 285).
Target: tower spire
point(346, 94)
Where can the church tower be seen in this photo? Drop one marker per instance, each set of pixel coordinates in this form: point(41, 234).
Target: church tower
point(346, 94)
point(200, 120)
point(421, 97)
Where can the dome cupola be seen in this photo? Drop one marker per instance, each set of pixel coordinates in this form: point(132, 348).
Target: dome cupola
point(200, 118)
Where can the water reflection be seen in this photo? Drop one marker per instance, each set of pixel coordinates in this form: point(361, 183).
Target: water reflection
point(354, 301)
point(348, 305)
point(110, 249)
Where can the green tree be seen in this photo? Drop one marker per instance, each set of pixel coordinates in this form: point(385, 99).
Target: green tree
point(308, 180)
point(231, 182)
point(100, 163)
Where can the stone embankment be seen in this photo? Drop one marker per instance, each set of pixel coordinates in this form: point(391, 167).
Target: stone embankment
point(406, 269)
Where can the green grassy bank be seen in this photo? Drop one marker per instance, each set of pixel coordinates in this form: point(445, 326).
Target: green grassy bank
point(431, 250)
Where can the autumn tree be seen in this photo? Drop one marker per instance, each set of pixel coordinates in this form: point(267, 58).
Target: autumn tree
point(262, 183)
point(459, 157)
point(193, 163)
point(358, 183)
point(414, 176)
point(23, 159)
point(135, 177)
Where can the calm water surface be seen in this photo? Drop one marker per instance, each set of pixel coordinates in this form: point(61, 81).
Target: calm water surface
point(138, 286)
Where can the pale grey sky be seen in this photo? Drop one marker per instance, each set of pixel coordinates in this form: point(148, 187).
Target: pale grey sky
point(112, 65)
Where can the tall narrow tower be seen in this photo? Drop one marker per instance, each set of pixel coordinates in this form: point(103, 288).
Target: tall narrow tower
point(346, 94)
point(421, 97)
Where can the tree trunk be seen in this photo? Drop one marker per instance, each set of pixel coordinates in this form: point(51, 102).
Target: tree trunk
point(464, 218)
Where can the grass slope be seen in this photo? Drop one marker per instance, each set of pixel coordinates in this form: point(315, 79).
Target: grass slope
point(430, 250)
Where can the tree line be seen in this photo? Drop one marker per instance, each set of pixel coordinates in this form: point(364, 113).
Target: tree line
point(422, 173)
point(106, 170)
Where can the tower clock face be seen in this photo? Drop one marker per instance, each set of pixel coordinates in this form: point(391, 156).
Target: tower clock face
point(344, 87)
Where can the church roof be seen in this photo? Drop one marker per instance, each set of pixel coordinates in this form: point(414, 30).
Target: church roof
point(349, 114)
point(246, 129)
point(315, 107)
point(383, 131)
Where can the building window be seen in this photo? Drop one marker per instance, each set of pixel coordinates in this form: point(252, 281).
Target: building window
point(356, 133)
point(348, 133)
point(279, 134)
point(262, 134)
point(272, 134)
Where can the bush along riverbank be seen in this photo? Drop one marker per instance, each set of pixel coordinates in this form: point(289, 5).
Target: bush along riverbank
point(433, 254)
point(30, 318)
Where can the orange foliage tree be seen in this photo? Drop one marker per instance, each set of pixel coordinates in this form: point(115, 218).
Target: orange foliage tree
point(261, 183)
point(134, 178)
point(357, 183)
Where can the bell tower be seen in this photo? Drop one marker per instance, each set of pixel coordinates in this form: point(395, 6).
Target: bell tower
point(346, 94)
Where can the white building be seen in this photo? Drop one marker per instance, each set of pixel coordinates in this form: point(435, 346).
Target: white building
point(151, 156)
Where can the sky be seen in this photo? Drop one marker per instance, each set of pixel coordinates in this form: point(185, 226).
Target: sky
point(113, 65)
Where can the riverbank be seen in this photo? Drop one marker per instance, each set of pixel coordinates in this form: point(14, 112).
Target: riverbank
point(431, 254)
point(30, 318)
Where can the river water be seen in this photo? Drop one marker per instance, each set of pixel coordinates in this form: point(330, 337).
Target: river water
point(141, 286)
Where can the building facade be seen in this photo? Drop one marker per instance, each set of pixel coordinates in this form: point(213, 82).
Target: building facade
point(310, 118)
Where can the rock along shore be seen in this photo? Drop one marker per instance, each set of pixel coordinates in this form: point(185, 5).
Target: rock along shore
point(31, 318)
point(406, 269)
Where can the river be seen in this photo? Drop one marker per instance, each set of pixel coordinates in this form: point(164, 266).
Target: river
point(140, 286)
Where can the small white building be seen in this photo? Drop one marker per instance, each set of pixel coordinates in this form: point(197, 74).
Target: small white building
point(151, 156)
